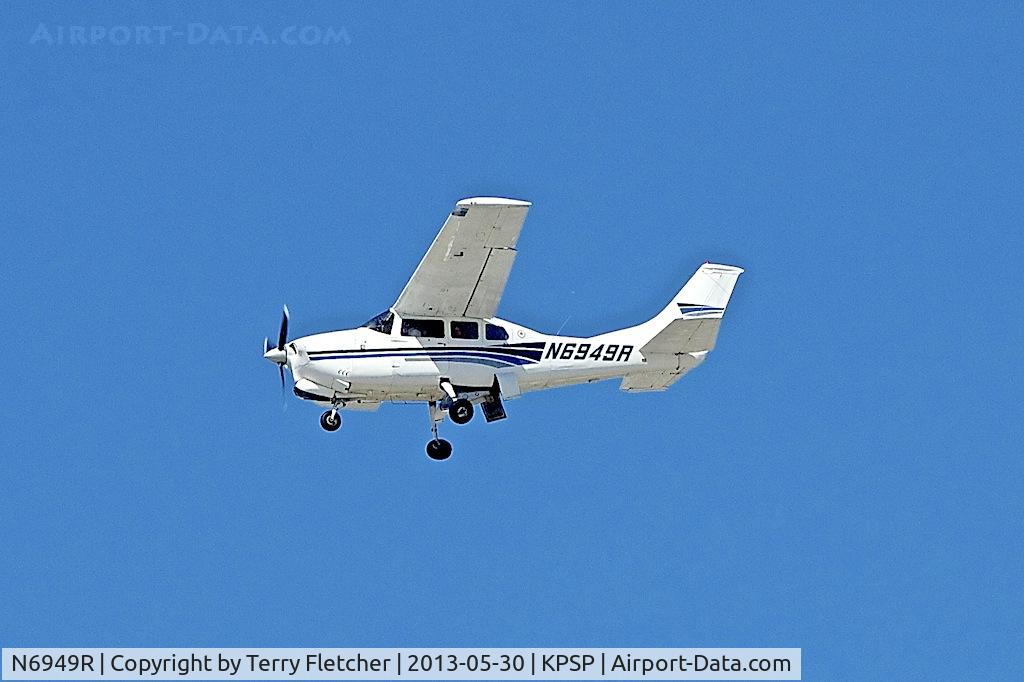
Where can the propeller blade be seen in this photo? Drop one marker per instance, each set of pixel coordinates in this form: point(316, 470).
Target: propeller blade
point(284, 391)
point(282, 337)
point(266, 345)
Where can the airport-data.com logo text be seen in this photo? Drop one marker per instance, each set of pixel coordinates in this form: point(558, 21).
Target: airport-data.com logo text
point(192, 34)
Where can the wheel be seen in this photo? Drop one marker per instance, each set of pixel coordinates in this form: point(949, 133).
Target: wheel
point(330, 420)
point(461, 411)
point(439, 449)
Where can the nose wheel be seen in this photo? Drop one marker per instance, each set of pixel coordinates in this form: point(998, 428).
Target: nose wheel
point(330, 420)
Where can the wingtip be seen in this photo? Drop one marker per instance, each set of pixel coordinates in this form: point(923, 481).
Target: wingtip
point(722, 267)
point(492, 201)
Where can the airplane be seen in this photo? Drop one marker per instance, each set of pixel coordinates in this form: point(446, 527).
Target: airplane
point(441, 344)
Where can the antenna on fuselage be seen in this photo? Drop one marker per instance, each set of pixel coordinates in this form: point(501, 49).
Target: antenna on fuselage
point(559, 332)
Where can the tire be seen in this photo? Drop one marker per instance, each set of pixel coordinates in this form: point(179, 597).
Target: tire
point(461, 411)
point(439, 449)
point(329, 422)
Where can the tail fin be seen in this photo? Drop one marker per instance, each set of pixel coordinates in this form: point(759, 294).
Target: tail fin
point(707, 292)
point(680, 336)
point(678, 328)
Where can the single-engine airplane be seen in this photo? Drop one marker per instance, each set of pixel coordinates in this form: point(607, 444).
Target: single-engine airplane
point(441, 344)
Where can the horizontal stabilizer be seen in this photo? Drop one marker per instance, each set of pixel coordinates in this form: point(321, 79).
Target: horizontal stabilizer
point(684, 336)
point(655, 380)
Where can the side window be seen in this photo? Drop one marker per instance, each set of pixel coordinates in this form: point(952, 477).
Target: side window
point(465, 330)
point(496, 333)
point(426, 328)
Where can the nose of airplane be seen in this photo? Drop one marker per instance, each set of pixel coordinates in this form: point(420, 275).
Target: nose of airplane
point(278, 356)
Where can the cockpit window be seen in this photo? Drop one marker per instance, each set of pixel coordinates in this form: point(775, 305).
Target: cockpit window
point(381, 323)
point(496, 333)
point(425, 328)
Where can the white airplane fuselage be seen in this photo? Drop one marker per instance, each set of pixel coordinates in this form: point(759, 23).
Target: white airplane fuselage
point(362, 367)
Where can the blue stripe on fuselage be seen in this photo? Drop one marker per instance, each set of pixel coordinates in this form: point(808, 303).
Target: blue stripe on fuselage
point(497, 359)
point(510, 354)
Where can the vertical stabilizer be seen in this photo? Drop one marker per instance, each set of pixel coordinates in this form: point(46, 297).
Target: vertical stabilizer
point(707, 293)
point(680, 336)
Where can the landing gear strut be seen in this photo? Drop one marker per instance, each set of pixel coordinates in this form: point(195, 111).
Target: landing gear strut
point(438, 449)
point(331, 420)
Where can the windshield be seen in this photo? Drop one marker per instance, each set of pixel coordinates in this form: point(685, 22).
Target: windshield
point(380, 323)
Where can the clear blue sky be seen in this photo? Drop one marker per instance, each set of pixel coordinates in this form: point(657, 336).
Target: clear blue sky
point(843, 475)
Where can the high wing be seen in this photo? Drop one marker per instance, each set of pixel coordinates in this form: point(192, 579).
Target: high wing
point(463, 274)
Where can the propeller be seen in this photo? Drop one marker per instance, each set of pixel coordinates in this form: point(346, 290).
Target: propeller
point(279, 355)
point(282, 336)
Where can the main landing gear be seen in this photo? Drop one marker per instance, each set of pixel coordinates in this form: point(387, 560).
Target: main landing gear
point(331, 420)
point(461, 411)
point(438, 449)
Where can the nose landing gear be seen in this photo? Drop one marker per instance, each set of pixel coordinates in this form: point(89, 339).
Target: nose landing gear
point(331, 420)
